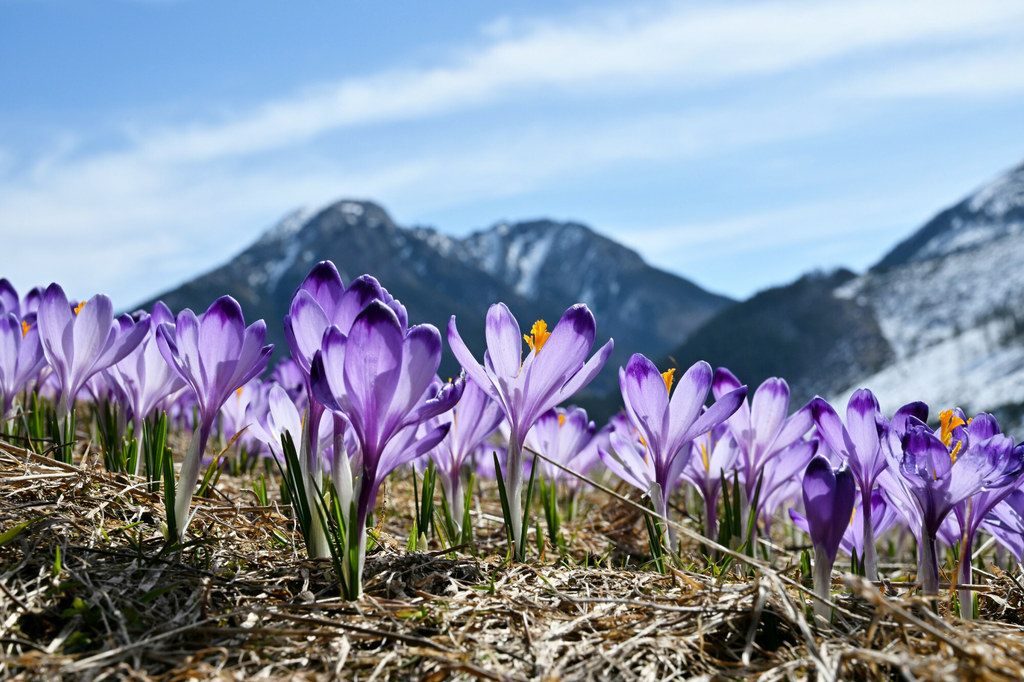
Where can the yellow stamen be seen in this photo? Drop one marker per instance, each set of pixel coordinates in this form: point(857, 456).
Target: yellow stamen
point(25, 326)
point(669, 376)
point(948, 421)
point(561, 420)
point(238, 394)
point(956, 450)
point(852, 514)
point(538, 335)
point(704, 456)
point(78, 308)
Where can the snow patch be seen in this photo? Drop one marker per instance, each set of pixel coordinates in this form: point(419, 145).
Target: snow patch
point(288, 226)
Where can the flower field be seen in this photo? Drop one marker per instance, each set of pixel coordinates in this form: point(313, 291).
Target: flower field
point(172, 509)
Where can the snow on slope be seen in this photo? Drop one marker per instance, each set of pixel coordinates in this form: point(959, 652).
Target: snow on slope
point(955, 325)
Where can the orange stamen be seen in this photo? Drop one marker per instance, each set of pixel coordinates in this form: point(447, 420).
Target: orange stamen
point(538, 335)
point(669, 376)
point(948, 421)
point(78, 308)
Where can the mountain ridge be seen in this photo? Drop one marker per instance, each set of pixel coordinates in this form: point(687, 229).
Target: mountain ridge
point(537, 268)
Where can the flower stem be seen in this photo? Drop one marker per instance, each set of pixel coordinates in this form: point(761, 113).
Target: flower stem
point(822, 584)
point(928, 567)
point(189, 476)
point(870, 556)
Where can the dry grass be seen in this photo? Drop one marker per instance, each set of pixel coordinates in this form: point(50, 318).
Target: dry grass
point(241, 603)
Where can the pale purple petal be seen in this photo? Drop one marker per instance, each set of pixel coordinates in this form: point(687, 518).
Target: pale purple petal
point(504, 341)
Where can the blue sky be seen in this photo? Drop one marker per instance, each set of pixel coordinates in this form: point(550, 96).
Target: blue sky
point(739, 144)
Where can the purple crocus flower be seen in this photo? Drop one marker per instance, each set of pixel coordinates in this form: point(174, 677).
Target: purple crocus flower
point(715, 454)
point(555, 369)
point(322, 301)
point(668, 424)
point(474, 419)
point(859, 445)
point(9, 300)
point(21, 358)
point(215, 354)
point(762, 430)
point(828, 504)
point(82, 341)
point(937, 477)
point(981, 432)
point(561, 434)
point(381, 379)
point(145, 378)
point(884, 515)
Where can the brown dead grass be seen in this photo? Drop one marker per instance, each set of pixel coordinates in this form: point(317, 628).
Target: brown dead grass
point(240, 602)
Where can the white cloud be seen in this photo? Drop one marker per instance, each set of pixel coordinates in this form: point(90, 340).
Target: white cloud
point(215, 182)
point(989, 71)
point(677, 47)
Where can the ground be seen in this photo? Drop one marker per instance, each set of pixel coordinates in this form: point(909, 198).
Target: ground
point(89, 592)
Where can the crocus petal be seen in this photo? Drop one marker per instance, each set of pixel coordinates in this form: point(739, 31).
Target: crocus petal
point(720, 410)
point(304, 327)
point(474, 370)
point(646, 399)
point(504, 341)
point(768, 410)
point(587, 373)
point(688, 399)
point(566, 349)
point(828, 502)
point(861, 423)
point(373, 365)
point(360, 292)
point(830, 426)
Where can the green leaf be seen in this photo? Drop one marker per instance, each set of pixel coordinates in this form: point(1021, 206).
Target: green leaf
point(14, 531)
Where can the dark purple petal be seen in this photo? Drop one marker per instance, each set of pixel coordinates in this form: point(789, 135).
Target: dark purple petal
point(304, 327)
point(361, 291)
point(830, 426)
point(566, 349)
point(323, 284)
point(373, 366)
point(828, 502)
point(983, 427)
point(9, 301)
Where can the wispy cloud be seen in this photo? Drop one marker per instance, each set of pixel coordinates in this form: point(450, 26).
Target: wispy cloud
point(212, 181)
point(674, 47)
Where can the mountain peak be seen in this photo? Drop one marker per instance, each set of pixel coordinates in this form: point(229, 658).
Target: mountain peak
point(994, 211)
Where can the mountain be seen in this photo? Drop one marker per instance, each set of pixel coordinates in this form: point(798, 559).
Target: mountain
point(989, 214)
point(537, 268)
point(803, 332)
point(938, 318)
point(948, 301)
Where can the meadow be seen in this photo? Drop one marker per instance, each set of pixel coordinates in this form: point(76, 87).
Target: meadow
point(173, 510)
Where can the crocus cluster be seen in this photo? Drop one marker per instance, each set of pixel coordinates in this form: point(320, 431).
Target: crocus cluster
point(360, 395)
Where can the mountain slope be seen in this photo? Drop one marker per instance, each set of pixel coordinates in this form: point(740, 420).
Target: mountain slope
point(538, 269)
point(948, 300)
point(801, 332)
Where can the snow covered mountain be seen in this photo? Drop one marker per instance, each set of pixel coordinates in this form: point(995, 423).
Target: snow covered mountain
point(949, 300)
point(538, 269)
point(940, 318)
